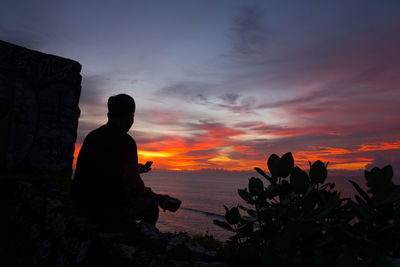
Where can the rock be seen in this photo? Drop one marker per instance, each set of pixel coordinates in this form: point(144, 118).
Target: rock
point(40, 227)
point(39, 96)
point(200, 251)
point(159, 260)
point(83, 252)
point(35, 231)
point(180, 248)
point(43, 252)
point(209, 264)
point(149, 231)
point(177, 263)
point(18, 119)
point(127, 252)
point(55, 219)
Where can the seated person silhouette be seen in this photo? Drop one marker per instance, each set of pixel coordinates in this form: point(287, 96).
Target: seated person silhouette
point(107, 183)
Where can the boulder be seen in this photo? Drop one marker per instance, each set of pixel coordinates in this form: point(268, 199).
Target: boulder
point(39, 96)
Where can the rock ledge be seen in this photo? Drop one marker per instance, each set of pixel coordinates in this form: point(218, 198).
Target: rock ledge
point(41, 227)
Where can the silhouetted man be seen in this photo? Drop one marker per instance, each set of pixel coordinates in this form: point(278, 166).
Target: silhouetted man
point(107, 181)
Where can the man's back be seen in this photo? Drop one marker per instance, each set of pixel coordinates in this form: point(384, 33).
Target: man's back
point(98, 179)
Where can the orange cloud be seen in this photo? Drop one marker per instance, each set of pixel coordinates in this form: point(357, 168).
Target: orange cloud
point(341, 158)
point(76, 153)
point(380, 146)
point(213, 150)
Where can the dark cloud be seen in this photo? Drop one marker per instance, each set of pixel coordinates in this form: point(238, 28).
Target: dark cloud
point(248, 32)
point(246, 105)
point(249, 124)
point(229, 98)
point(188, 90)
point(209, 95)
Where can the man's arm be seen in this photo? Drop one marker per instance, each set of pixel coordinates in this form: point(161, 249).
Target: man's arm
point(134, 181)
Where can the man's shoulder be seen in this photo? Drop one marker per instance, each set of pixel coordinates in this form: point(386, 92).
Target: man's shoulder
point(111, 134)
point(96, 134)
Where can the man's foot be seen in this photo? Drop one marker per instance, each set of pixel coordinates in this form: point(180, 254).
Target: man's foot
point(169, 203)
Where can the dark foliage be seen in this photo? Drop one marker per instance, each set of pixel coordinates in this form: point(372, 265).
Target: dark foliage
point(297, 220)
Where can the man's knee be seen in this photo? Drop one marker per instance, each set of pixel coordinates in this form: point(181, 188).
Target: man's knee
point(145, 209)
point(153, 211)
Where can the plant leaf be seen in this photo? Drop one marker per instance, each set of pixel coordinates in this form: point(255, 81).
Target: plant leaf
point(273, 162)
point(252, 213)
point(223, 225)
point(318, 172)
point(246, 229)
point(232, 216)
point(245, 195)
point(387, 172)
point(299, 180)
point(270, 179)
point(255, 186)
point(362, 193)
point(330, 185)
point(285, 165)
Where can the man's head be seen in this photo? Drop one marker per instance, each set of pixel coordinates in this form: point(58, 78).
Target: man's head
point(121, 109)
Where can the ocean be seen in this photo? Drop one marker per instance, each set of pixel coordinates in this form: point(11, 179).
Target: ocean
point(203, 196)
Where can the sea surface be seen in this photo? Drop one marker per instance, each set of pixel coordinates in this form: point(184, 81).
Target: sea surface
point(203, 196)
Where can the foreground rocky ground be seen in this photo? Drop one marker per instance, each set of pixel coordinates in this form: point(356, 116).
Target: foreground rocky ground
point(41, 227)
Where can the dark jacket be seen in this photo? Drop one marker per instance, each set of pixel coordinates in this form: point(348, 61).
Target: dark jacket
point(99, 179)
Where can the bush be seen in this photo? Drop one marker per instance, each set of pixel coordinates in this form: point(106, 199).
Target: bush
point(299, 220)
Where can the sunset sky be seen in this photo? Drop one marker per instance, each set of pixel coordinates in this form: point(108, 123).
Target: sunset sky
point(224, 84)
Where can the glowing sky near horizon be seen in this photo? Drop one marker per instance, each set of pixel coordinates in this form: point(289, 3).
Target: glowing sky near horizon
point(224, 84)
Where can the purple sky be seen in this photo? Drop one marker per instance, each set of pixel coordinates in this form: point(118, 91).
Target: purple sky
point(224, 84)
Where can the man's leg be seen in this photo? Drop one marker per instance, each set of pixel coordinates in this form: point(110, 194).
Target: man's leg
point(144, 209)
